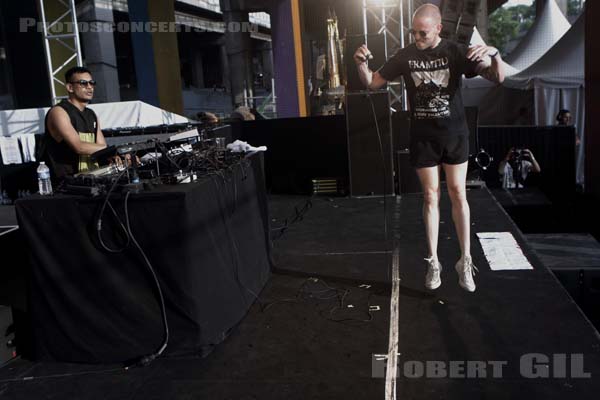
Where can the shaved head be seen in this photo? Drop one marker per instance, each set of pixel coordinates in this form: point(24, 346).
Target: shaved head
point(426, 26)
point(428, 11)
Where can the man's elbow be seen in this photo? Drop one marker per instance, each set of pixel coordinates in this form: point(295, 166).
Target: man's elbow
point(77, 147)
point(81, 149)
point(377, 85)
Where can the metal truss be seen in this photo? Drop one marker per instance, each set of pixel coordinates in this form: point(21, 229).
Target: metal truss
point(61, 42)
point(388, 18)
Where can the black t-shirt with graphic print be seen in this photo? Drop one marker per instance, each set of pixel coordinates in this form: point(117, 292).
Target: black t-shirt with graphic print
point(433, 80)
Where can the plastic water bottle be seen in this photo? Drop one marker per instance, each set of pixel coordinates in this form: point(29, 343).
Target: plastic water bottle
point(44, 183)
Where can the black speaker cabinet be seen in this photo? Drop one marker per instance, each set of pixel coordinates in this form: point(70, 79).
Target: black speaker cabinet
point(371, 169)
point(406, 176)
point(375, 44)
point(401, 129)
point(458, 19)
point(472, 116)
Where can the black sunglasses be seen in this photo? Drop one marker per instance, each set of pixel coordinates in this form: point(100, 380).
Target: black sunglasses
point(420, 33)
point(83, 82)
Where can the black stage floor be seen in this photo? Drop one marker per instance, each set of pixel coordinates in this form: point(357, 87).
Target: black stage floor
point(313, 336)
point(7, 215)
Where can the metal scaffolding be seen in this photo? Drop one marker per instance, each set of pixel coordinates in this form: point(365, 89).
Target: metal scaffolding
point(61, 42)
point(388, 19)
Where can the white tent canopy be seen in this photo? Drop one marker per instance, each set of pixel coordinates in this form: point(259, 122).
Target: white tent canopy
point(111, 115)
point(561, 67)
point(476, 38)
point(546, 30)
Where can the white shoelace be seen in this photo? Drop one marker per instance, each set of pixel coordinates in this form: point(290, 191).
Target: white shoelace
point(470, 267)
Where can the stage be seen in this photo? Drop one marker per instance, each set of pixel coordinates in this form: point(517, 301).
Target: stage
point(321, 325)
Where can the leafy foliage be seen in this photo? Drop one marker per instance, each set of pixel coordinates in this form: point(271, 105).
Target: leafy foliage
point(574, 7)
point(508, 23)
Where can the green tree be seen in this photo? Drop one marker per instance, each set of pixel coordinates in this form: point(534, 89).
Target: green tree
point(507, 23)
point(574, 7)
point(502, 28)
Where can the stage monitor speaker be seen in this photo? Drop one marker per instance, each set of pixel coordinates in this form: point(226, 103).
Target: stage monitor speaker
point(458, 19)
point(375, 44)
point(370, 170)
point(401, 129)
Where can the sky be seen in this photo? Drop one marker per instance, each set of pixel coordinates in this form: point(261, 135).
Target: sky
point(511, 3)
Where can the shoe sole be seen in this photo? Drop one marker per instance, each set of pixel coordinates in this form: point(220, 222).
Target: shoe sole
point(468, 289)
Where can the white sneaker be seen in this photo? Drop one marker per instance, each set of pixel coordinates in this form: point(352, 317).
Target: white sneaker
point(466, 272)
point(432, 278)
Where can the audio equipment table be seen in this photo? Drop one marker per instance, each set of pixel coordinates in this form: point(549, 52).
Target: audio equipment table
point(207, 241)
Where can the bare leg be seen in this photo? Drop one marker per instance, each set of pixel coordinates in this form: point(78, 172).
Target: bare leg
point(456, 177)
point(430, 182)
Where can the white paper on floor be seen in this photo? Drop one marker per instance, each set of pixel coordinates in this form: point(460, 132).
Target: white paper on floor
point(502, 251)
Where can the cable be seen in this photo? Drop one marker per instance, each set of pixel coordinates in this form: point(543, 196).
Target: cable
point(385, 229)
point(145, 360)
point(99, 221)
point(383, 164)
point(31, 378)
point(341, 294)
point(328, 293)
point(298, 216)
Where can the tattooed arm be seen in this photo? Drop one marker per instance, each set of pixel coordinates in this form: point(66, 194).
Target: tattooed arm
point(491, 70)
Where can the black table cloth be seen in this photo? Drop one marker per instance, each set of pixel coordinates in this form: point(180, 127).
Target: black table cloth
point(208, 242)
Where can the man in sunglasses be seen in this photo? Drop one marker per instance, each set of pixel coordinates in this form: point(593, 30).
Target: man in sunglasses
point(432, 69)
point(72, 130)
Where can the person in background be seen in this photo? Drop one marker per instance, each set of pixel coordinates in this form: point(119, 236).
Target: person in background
point(207, 118)
point(242, 113)
point(564, 118)
point(516, 168)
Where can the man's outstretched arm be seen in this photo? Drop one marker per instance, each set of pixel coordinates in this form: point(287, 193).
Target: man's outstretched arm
point(490, 66)
point(372, 80)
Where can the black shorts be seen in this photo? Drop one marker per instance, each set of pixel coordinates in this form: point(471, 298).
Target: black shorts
point(429, 152)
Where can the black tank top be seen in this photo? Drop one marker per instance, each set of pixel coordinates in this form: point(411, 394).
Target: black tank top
point(61, 159)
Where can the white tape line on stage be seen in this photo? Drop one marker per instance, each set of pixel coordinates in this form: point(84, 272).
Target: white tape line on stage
point(502, 251)
point(392, 357)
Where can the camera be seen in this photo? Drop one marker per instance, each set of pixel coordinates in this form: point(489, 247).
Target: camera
point(519, 154)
